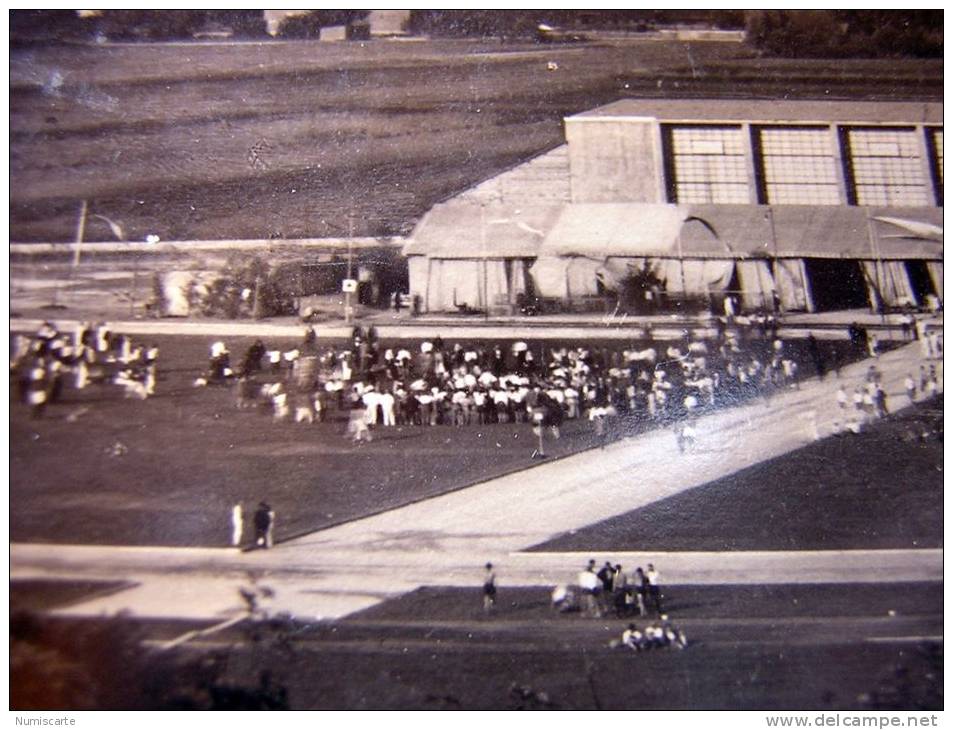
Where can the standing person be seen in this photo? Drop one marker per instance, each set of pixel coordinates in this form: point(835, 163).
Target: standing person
point(619, 591)
point(264, 525)
point(37, 388)
point(357, 422)
point(489, 588)
point(589, 586)
point(936, 344)
point(655, 589)
point(237, 525)
point(842, 399)
point(641, 589)
point(814, 351)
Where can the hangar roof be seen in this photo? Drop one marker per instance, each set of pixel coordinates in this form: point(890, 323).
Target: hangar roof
point(772, 111)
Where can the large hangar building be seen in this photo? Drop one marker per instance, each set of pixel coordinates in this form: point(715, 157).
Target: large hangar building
point(790, 205)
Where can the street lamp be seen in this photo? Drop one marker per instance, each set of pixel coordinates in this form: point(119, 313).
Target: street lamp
point(116, 229)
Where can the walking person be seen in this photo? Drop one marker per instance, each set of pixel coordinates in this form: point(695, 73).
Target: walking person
point(880, 401)
point(264, 525)
point(489, 588)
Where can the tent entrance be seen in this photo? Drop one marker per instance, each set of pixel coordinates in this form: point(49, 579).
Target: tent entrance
point(920, 280)
point(836, 284)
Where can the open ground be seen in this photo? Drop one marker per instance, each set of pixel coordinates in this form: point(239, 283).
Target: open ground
point(811, 580)
point(188, 455)
point(261, 140)
point(754, 642)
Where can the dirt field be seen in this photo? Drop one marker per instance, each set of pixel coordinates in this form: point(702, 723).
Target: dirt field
point(190, 141)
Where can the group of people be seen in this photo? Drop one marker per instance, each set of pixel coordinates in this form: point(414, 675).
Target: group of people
point(868, 401)
point(662, 635)
point(47, 362)
point(461, 385)
point(609, 589)
point(595, 592)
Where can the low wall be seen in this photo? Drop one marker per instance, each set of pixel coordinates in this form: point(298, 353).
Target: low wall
point(196, 250)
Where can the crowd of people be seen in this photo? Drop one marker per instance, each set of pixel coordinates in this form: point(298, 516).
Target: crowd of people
point(610, 590)
point(47, 362)
point(868, 400)
point(596, 593)
point(436, 384)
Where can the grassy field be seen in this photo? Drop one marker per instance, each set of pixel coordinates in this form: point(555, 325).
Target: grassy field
point(880, 489)
point(190, 141)
point(189, 455)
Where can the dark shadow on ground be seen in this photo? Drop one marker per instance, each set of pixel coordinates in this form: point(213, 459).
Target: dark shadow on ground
point(881, 489)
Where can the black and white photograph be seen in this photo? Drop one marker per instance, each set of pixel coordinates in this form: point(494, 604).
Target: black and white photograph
point(477, 360)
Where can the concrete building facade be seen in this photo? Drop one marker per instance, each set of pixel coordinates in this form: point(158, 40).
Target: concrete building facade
point(792, 205)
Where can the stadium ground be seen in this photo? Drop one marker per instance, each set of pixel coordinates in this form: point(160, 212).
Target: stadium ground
point(881, 489)
point(821, 647)
point(190, 455)
point(866, 645)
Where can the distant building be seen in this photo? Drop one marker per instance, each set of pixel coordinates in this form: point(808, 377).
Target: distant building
point(797, 205)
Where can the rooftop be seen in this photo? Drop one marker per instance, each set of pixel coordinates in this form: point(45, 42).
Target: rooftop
point(769, 110)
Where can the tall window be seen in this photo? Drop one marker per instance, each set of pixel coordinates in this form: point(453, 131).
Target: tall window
point(796, 165)
point(935, 145)
point(707, 165)
point(885, 167)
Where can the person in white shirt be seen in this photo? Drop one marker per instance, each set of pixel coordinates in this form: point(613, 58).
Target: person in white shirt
point(655, 588)
point(371, 399)
point(842, 399)
point(589, 585)
point(910, 386)
point(387, 402)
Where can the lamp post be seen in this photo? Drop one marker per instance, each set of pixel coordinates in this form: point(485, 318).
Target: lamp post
point(121, 236)
point(348, 311)
point(486, 302)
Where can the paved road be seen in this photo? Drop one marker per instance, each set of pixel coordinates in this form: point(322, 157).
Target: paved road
point(445, 540)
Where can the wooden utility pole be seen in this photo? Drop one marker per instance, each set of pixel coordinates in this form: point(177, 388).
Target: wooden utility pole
point(348, 312)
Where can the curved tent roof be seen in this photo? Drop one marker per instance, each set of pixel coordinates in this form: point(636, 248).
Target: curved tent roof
point(461, 230)
point(598, 230)
point(468, 230)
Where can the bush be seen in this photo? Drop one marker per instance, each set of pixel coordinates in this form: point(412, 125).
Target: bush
point(309, 25)
point(250, 288)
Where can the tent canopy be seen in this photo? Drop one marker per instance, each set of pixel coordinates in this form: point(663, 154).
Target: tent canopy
point(599, 230)
point(814, 231)
point(467, 230)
